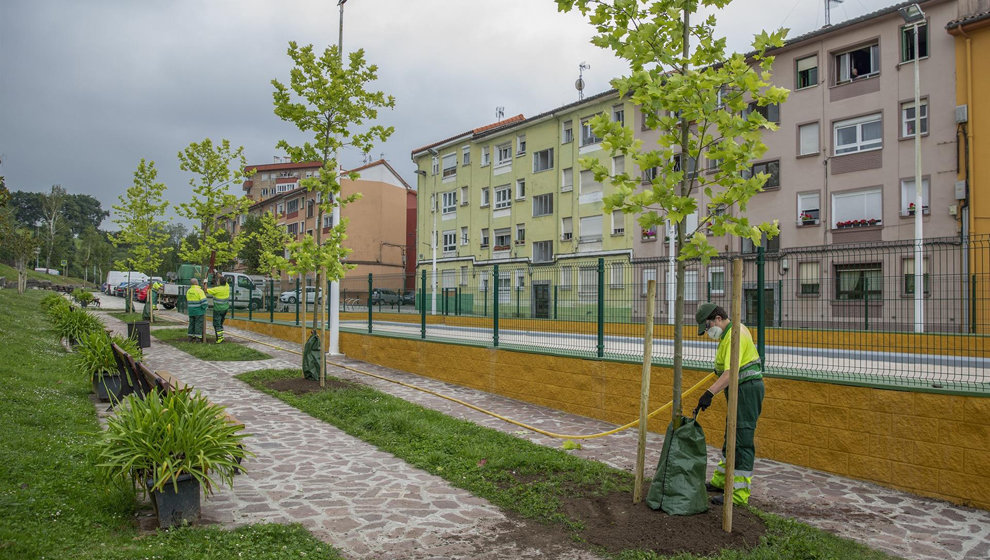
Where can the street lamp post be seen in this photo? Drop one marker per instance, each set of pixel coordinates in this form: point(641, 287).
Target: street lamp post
point(433, 208)
point(334, 346)
point(914, 14)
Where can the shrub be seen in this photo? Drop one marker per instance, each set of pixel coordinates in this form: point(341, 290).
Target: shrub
point(84, 297)
point(94, 354)
point(158, 438)
point(74, 324)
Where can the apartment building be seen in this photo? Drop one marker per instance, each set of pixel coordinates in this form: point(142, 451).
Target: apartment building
point(377, 229)
point(841, 167)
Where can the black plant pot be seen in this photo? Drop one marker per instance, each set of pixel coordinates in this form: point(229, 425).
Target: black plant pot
point(177, 505)
point(109, 387)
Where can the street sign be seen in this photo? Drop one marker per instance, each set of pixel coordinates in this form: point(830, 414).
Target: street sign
point(65, 262)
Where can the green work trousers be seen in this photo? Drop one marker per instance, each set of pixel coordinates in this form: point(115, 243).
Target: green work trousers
point(218, 317)
point(195, 326)
point(747, 413)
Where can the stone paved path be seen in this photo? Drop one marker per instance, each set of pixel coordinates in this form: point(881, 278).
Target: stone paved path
point(370, 504)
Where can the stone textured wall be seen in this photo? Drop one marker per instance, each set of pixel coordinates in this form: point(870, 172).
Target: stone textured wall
point(928, 444)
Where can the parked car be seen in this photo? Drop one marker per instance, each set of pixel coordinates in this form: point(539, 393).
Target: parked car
point(382, 296)
point(409, 298)
point(290, 296)
point(138, 289)
point(121, 289)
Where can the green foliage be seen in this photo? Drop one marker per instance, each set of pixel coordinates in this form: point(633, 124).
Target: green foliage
point(160, 437)
point(269, 239)
point(328, 100)
point(140, 217)
point(94, 354)
point(83, 296)
point(53, 300)
point(211, 200)
point(74, 324)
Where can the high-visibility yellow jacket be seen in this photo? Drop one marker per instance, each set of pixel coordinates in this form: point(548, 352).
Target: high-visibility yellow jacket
point(196, 301)
point(221, 297)
point(750, 366)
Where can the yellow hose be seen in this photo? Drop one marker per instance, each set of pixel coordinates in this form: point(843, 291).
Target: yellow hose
point(488, 412)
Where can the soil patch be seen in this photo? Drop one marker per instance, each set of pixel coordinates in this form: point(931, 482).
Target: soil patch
point(302, 386)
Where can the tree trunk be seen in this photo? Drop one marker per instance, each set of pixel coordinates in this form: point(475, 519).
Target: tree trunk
point(675, 410)
point(21, 276)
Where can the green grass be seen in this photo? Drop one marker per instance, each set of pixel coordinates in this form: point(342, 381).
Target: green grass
point(229, 351)
point(131, 317)
point(11, 274)
point(515, 474)
point(51, 503)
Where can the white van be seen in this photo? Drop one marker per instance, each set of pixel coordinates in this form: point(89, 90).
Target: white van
point(115, 277)
point(244, 292)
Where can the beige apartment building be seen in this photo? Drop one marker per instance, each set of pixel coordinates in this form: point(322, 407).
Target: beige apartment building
point(376, 231)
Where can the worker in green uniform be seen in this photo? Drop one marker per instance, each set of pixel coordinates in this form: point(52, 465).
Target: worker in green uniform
point(196, 308)
point(714, 321)
point(221, 303)
point(151, 299)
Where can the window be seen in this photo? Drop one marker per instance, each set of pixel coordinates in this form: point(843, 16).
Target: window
point(907, 265)
point(712, 164)
point(858, 282)
point(542, 251)
point(486, 156)
point(848, 208)
point(464, 196)
point(542, 205)
point(449, 166)
point(615, 273)
point(485, 197)
point(520, 189)
point(588, 136)
point(566, 275)
point(591, 229)
point(484, 237)
point(618, 222)
point(807, 72)
point(770, 112)
point(520, 144)
point(907, 41)
point(690, 285)
point(908, 196)
point(567, 179)
point(588, 183)
point(543, 160)
point(503, 197)
point(520, 234)
point(648, 274)
point(292, 206)
point(466, 155)
point(907, 118)
point(566, 133)
point(769, 245)
point(464, 236)
point(808, 137)
point(809, 279)
point(292, 229)
point(618, 165)
point(588, 282)
point(857, 64)
point(771, 168)
point(692, 164)
point(449, 202)
point(448, 279)
point(566, 228)
point(436, 165)
point(520, 279)
point(650, 174)
point(503, 237)
point(858, 135)
point(449, 241)
point(716, 280)
point(483, 284)
point(504, 287)
point(619, 114)
point(808, 208)
point(328, 220)
point(464, 275)
point(310, 208)
point(503, 155)
point(280, 209)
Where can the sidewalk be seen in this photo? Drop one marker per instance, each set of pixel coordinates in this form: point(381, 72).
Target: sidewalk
point(370, 504)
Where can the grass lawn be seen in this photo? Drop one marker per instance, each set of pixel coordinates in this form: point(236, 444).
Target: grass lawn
point(513, 473)
point(131, 317)
point(229, 351)
point(11, 274)
point(51, 503)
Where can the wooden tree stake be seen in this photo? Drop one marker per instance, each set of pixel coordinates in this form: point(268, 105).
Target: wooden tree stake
point(644, 392)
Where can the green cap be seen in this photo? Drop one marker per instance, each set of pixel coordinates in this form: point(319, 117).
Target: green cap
point(702, 315)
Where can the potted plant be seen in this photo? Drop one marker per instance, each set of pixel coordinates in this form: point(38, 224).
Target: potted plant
point(73, 324)
point(94, 359)
point(911, 209)
point(172, 445)
point(82, 296)
point(806, 219)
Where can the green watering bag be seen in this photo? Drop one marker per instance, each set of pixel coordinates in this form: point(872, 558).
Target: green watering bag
point(311, 357)
point(678, 486)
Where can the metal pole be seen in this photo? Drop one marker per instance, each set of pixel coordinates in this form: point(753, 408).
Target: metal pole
point(601, 307)
point(435, 204)
point(761, 320)
point(271, 300)
point(333, 345)
point(671, 272)
point(371, 286)
point(297, 301)
point(919, 288)
point(866, 303)
point(422, 306)
point(496, 292)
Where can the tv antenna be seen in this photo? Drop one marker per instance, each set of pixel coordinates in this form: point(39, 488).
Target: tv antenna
point(579, 84)
point(828, 11)
point(499, 112)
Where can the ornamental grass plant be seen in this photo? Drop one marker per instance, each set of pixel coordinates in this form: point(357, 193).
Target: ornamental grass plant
point(94, 353)
point(74, 324)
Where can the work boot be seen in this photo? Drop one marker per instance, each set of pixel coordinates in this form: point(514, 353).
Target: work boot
point(219, 339)
point(712, 488)
point(717, 500)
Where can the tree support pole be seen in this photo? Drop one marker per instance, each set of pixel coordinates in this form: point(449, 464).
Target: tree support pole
point(730, 427)
point(644, 391)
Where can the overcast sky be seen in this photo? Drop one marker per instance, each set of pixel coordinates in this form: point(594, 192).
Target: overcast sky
point(88, 88)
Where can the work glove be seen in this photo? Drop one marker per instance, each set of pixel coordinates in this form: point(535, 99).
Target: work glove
point(705, 401)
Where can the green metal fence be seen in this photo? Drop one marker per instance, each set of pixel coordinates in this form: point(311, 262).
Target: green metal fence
point(839, 312)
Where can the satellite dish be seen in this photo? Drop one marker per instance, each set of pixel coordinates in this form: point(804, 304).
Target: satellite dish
point(579, 84)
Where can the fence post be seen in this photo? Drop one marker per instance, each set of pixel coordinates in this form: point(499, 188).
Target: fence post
point(555, 303)
point(972, 304)
point(271, 300)
point(518, 291)
point(495, 292)
point(457, 302)
point(297, 302)
point(601, 307)
point(422, 306)
point(250, 302)
point(484, 295)
point(371, 285)
point(866, 302)
point(779, 299)
point(761, 319)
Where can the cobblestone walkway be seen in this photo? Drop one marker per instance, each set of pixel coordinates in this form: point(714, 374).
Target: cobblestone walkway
point(370, 504)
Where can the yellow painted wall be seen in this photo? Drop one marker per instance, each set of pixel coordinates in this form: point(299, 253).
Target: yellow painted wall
point(928, 444)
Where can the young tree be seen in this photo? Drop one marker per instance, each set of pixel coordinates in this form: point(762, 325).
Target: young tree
point(701, 100)
point(140, 216)
point(331, 102)
point(212, 202)
point(52, 220)
point(270, 240)
point(15, 240)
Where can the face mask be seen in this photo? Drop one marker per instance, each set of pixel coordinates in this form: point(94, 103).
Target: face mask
point(714, 333)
